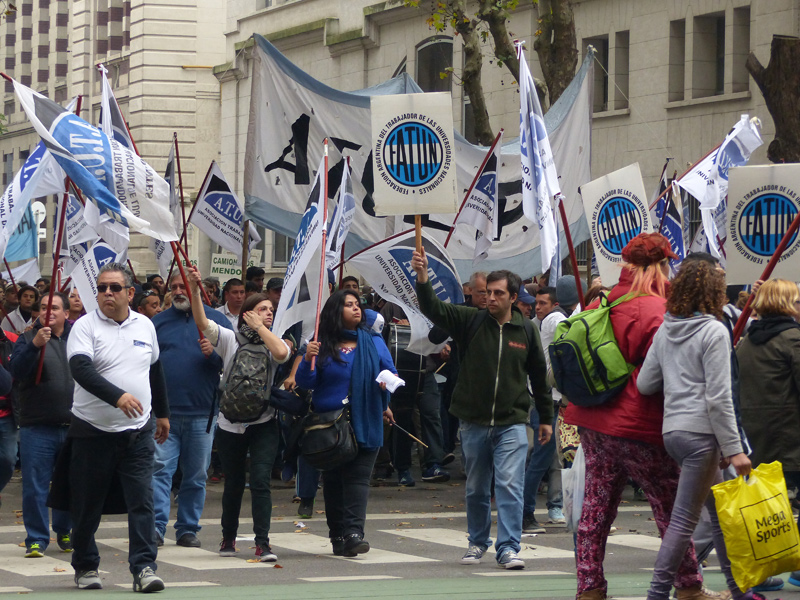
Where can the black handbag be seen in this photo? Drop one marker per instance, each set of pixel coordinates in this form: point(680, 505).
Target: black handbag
point(288, 401)
point(328, 440)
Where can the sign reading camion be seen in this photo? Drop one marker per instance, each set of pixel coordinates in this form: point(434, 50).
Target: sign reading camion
point(227, 265)
point(762, 203)
point(413, 149)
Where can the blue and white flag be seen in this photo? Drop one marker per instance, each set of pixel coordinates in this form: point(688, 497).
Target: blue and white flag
point(708, 180)
point(162, 250)
point(39, 176)
point(671, 224)
point(112, 122)
point(555, 264)
point(301, 283)
point(481, 209)
point(84, 275)
point(341, 221)
point(539, 177)
point(219, 214)
point(123, 191)
point(24, 242)
point(387, 268)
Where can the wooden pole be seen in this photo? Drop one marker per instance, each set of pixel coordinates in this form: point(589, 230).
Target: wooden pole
point(246, 246)
point(773, 262)
point(341, 266)
point(573, 258)
point(418, 231)
point(472, 185)
point(11, 275)
point(184, 234)
point(174, 245)
point(180, 186)
point(322, 269)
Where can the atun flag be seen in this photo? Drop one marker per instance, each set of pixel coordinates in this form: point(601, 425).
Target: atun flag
point(341, 221)
point(708, 180)
point(481, 208)
point(539, 177)
point(84, 275)
point(301, 283)
point(290, 110)
point(219, 214)
point(387, 268)
point(112, 122)
point(39, 176)
point(123, 191)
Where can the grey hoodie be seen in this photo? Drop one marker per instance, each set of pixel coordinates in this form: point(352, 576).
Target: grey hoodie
point(695, 355)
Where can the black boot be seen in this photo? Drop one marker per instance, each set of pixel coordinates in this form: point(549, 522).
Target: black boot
point(338, 546)
point(354, 544)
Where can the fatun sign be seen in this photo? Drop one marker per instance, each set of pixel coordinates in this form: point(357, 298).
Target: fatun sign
point(762, 203)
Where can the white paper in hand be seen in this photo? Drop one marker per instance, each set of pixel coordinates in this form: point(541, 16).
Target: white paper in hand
point(391, 380)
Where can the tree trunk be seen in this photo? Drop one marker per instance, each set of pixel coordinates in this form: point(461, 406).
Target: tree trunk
point(495, 16)
point(557, 45)
point(471, 75)
point(779, 83)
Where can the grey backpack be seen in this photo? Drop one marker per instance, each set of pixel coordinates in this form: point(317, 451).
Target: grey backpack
point(245, 395)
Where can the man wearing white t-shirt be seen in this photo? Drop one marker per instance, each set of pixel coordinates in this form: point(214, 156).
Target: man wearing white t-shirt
point(119, 386)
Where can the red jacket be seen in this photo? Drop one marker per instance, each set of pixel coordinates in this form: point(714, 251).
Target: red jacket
point(629, 415)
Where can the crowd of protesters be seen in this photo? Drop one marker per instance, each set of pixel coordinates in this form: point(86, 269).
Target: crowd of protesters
point(123, 412)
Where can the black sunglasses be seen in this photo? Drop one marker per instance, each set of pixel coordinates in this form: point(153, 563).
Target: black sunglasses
point(114, 287)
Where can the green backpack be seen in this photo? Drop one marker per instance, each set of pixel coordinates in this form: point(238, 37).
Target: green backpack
point(588, 366)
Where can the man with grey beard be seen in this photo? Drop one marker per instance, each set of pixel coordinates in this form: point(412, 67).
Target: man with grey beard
point(191, 369)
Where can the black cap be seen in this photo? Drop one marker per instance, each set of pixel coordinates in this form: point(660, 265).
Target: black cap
point(275, 283)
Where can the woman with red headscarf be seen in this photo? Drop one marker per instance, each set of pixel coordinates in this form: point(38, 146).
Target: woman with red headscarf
point(622, 438)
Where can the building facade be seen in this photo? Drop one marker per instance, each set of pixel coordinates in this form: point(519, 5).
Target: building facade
point(670, 79)
point(159, 56)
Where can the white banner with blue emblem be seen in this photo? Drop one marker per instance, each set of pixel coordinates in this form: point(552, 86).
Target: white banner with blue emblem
point(414, 152)
point(84, 275)
point(617, 211)
point(762, 202)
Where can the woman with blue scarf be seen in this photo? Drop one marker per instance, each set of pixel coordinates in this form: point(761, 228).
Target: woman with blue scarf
point(348, 359)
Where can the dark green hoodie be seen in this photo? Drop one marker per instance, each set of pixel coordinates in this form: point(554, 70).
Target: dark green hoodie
point(492, 386)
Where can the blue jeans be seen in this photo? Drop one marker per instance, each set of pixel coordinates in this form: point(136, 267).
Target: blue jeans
point(39, 446)
point(189, 445)
point(502, 450)
point(8, 450)
point(541, 460)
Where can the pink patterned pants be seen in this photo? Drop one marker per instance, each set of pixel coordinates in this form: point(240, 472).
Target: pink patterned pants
point(610, 461)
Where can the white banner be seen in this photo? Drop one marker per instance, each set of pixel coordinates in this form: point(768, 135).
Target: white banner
point(84, 276)
point(762, 203)
point(387, 268)
point(27, 272)
point(617, 211)
point(219, 214)
point(413, 149)
point(341, 221)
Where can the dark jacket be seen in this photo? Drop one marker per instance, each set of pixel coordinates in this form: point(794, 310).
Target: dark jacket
point(629, 415)
point(492, 386)
point(192, 379)
point(48, 403)
point(7, 400)
point(769, 390)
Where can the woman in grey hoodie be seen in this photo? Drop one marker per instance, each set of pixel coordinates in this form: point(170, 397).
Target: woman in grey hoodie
point(690, 360)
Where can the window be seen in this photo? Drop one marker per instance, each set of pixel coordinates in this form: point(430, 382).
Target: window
point(677, 60)
point(8, 168)
point(692, 220)
point(281, 249)
point(600, 44)
point(8, 108)
point(434, 57)
point(708, 58)
point(622, 42)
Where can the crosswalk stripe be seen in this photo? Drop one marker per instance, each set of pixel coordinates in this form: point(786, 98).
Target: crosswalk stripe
point(458, 539)
point(642, 542)
point(525, 573)
point(12, 589)
point(196, 559)
point(177, 584)
point(317, 544)
point(348, 578)
point(12, 559)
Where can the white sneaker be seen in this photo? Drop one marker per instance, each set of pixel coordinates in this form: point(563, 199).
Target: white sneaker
point(555, 516)
point(473, 556)
point(510, 560)
point(88, 580)
point(147, 581)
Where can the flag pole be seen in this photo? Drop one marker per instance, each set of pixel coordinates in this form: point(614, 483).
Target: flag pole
point(11, 275)
point(203, 292)
point(773, 262)
point(180, 187)
point(191, 212)
point(573, 258)
point(56, 256)
point(670, 200)
point(322, 277)
point(174, 246)
point(661, 195)
point(59, 237)
point(472, 185)
point(245, 246)
point(341, 266)
point(65, 284)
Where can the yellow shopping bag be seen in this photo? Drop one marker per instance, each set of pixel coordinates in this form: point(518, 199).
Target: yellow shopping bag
point(756, 519)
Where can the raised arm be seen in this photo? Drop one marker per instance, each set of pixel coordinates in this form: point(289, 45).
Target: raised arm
point(198, 312)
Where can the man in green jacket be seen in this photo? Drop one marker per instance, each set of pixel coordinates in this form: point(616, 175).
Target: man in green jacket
point(492, 400)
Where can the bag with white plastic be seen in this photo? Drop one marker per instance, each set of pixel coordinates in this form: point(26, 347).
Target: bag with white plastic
point(573, 486)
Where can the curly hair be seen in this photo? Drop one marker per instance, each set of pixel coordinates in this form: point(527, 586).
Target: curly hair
point(698, 287)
